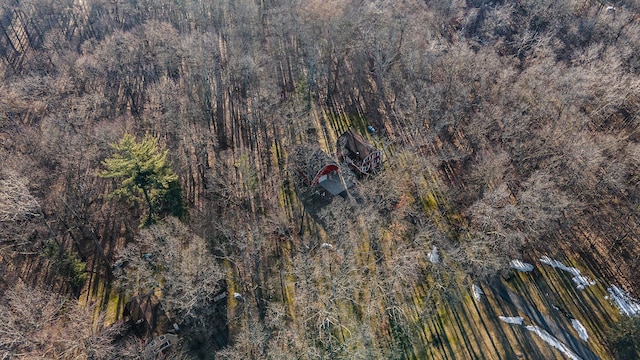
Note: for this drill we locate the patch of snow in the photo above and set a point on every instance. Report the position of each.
(521, 265)
(628, 306)
(580, 280)
(477, 292)
(551, 340)
(517, 320)
(582, 331)
(433, 255)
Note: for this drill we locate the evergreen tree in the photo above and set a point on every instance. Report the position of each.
(146, 175)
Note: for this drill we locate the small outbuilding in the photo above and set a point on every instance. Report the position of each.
(159, 346)
(316, 168)
(356, 152)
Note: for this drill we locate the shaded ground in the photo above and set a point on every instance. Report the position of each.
(542, 320)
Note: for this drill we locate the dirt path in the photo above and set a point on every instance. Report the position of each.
(542, 320)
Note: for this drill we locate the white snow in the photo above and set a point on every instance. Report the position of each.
(551, 340)
(433, 255)
(548, 338)
(582, 331)
(521, 265)
(477, 292)
(517, 320)
(628, 306)
(580, 280)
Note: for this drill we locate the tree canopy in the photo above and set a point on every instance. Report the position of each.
(509, 131)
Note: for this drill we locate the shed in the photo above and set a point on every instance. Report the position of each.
(316, 168)
(159, 345)
(361, 156)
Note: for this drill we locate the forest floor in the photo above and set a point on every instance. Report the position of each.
(463, 327)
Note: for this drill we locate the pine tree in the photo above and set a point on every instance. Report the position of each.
(146, 176)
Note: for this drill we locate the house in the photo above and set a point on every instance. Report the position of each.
(148, 319)
(356, 152)
(147, 315)
(317, 169)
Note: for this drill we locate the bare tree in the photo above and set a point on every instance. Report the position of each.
(502, 222)
(39, 324)
(168, 258)
(19, 210)
(16, 202)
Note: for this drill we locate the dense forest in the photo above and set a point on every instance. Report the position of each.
(145, 159)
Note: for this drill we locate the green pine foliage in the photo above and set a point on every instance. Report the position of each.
(67, 264)
(146, 177)
(624, 338)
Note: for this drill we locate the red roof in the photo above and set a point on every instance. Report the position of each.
(311, 163)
